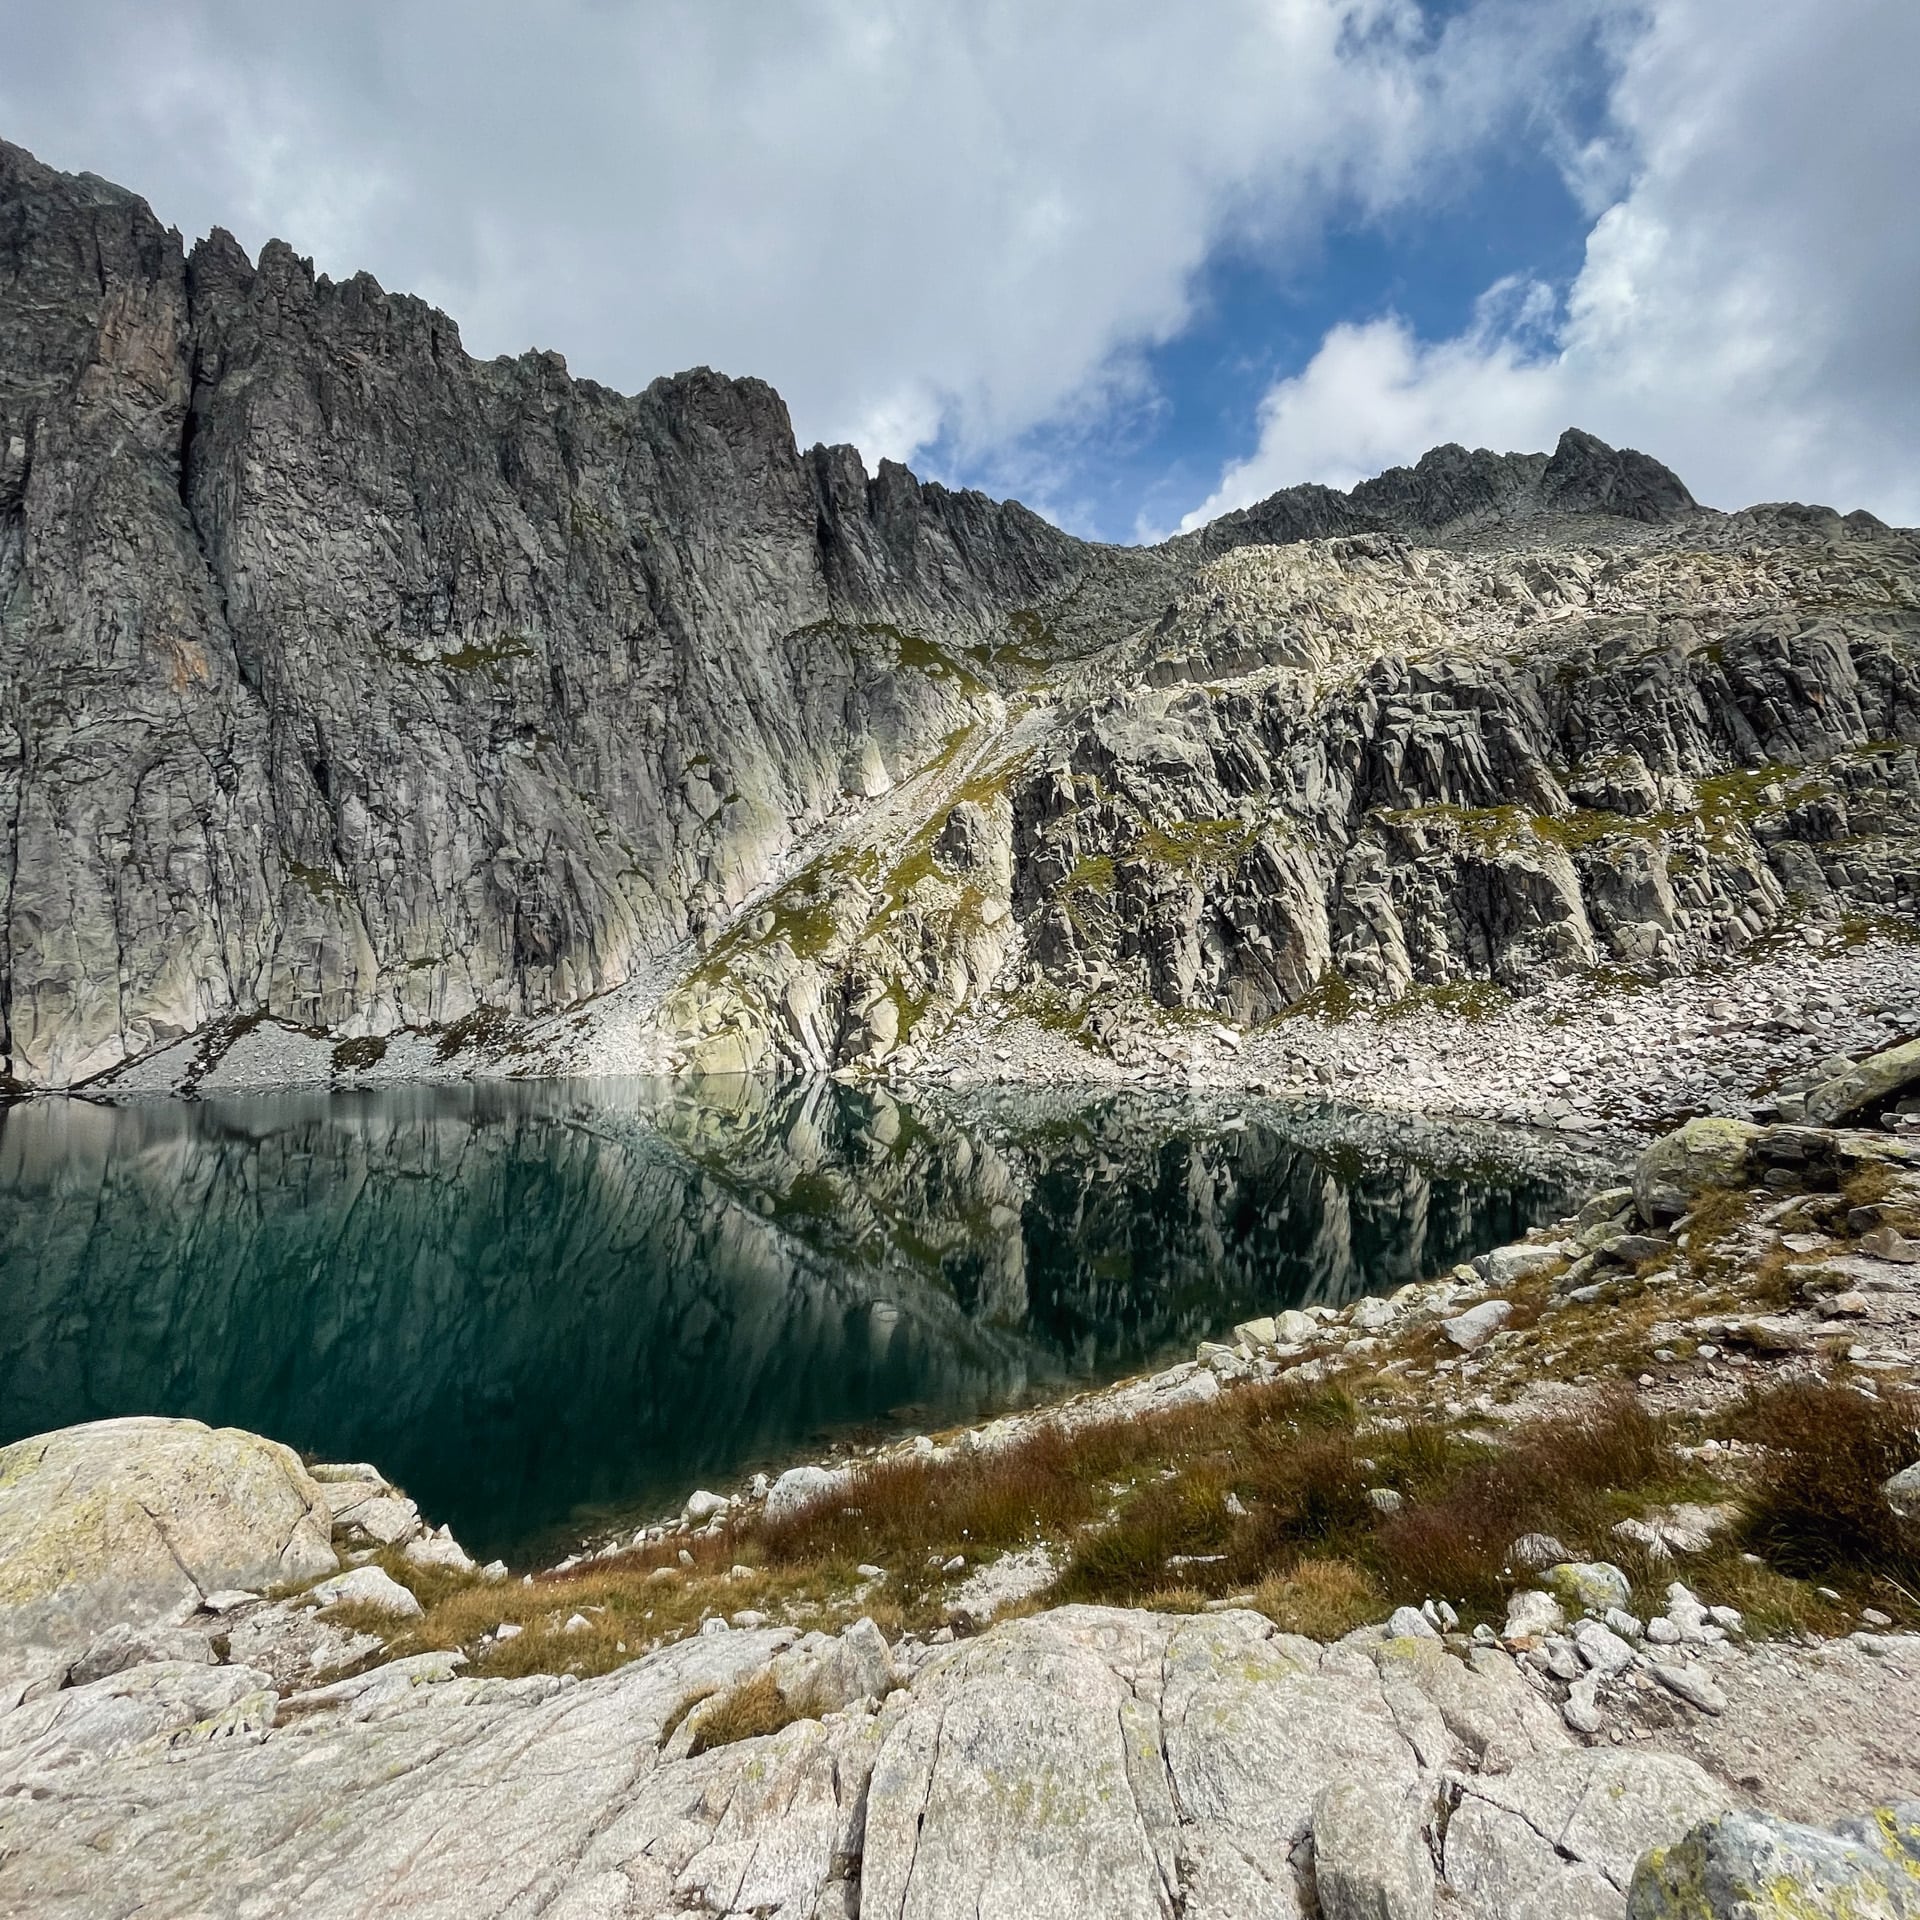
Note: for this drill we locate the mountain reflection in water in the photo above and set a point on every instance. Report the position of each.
(540, 1303)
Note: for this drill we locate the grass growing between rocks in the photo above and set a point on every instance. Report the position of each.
(751, 1710)
(1278, 1497)
(1816, 1510)
(623, 1609)
(1332, 1522)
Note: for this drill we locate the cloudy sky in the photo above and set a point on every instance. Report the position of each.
(1135, 263)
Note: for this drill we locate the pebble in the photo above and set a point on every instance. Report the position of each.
(1692, 1686)
(1582, 1710)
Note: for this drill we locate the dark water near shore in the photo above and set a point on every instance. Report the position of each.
(542, 1305)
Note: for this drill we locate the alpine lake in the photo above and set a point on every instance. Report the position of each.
(547, 1308)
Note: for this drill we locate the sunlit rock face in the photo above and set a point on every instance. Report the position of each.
(352, 683)
(362, 683)
(538, 1299)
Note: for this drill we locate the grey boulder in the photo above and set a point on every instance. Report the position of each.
(370, 1587)
(800, 1488)
(135, 1521)
(1865, 1085)
(1902, 1492)
(1700, 1157)
(1747, 1866)
(1477, 1325)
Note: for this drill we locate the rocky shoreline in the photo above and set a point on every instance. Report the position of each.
(1615, 1060)
(212, 1705)
(1618, 1060)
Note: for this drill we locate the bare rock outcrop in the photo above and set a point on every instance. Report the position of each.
(356, 685)
(134, 1522)
(1088, 1759)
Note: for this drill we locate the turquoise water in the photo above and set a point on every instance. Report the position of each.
(542, 1305)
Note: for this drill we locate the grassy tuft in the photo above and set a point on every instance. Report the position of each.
(1320, 1598)
(1816, 1509)
(1285, 1484)
(749, 1711)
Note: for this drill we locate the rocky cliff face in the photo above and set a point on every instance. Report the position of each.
(356, 684)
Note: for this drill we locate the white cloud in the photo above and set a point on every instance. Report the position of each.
(1748, 309)
(919, 221)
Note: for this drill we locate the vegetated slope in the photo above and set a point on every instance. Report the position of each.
(355, 683)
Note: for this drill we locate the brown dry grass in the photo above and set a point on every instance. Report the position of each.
(1282, 1496)
(626, 1612)
(1869, 1186)
(1320, 1598)
(1816, 1510)
(748, 1712)
(1264, 1491)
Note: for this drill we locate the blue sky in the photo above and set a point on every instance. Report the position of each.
(1134, 264)
(1136, 470)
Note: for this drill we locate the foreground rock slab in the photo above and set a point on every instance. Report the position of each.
(1085, 1761)
(1747, 1867)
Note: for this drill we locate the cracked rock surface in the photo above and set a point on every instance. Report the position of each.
(1087, 1760)
(126, 1523)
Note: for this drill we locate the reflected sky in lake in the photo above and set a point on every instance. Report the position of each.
(542, 1305)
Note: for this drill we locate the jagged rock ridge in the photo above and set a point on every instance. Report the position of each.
(360, 685)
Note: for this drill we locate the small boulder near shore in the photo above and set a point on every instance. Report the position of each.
(135, 1521)
(1700, 1157)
